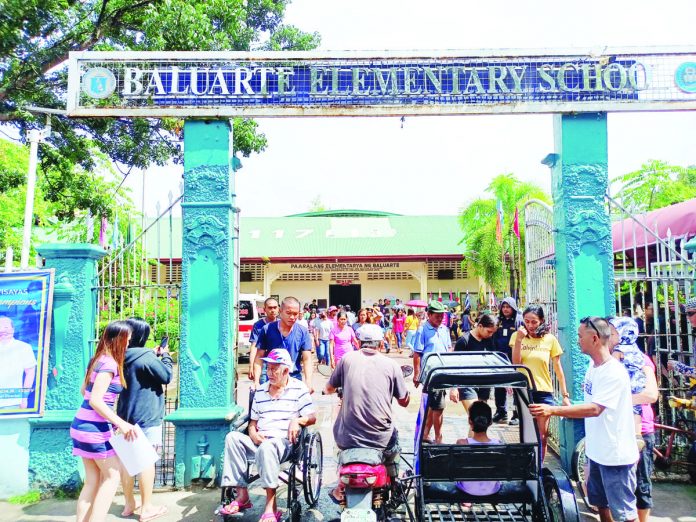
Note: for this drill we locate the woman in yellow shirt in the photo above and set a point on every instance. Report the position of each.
(535, 348)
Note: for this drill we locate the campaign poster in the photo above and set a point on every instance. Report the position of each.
(26, 300)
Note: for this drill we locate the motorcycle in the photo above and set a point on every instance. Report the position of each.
(372, 490)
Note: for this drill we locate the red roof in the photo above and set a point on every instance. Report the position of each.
(679, 219)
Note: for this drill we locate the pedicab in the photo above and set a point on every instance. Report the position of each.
(528, 490)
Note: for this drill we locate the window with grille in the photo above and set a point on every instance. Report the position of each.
(435, 267)
(254, 271)
(343, 276)
(167, 273)
(294, 276)
(388, 276)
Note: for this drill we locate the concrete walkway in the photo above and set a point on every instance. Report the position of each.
(674, 502)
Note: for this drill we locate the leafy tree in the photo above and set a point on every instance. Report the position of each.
(654, 185)
(317, 205)
(37, 35)
(48, 215)
(484, 255)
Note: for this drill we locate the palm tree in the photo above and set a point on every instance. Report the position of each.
(484, 254)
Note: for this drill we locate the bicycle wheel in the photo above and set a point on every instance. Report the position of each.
(580, 471)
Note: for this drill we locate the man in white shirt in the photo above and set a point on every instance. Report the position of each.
(18, 367)
(609, 429)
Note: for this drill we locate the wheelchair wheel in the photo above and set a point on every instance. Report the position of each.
(560, 497)
(312, 467)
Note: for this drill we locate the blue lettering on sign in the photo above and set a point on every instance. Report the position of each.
(378, 83)
(685, 77)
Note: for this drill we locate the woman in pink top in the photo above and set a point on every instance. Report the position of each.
(342, 339)
(92, 427)
(398, 326)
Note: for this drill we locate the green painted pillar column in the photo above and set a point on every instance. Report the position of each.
(51, 463)
(208, 323)
(584, 269)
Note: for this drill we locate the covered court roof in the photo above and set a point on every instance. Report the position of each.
(332, 234)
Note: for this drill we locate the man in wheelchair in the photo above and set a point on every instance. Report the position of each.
(280, 407)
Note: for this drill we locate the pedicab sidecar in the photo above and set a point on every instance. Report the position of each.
(528, 490)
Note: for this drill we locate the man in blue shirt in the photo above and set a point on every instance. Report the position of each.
(288, 335)
(432, 336)
(270, 308)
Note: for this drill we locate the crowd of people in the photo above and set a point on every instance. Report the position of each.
(619, 388)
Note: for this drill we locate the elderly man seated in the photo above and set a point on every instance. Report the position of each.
(279, 408)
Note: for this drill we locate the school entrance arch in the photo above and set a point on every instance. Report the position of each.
(206, 88)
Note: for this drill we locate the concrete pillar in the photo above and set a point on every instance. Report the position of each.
(423, 280)
(208, 322)
(584, 270)
(51, 463)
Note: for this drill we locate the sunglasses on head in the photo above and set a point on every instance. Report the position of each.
(588, 321)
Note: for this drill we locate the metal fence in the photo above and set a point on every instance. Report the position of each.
(653, 277)
(134, 281)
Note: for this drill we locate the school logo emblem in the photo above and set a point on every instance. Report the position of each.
(685, 77)
(99, 83)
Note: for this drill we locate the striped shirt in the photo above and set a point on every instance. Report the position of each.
(90, 432)
(273, 415)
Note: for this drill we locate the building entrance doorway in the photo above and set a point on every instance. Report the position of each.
(345, 295)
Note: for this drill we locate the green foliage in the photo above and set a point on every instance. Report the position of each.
(484, 254)
(36, 37)
(656, 184)
(30, 497)
(58, 200)
(317, 205)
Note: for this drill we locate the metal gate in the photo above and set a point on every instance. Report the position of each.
(653, 277)
(541, 280)
(138, 278)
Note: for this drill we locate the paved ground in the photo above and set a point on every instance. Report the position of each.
(674, 502)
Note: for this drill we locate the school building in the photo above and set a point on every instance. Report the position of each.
(350, 257)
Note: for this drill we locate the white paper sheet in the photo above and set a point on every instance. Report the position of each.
(135, 455)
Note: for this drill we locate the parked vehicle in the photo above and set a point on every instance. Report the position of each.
(250, 310)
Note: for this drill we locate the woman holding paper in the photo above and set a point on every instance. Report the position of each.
(142, 403)
(92, 426)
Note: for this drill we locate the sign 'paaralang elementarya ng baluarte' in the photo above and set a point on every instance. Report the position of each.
(352, 83)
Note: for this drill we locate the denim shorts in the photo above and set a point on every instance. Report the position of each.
(644, 471)
(472, 394)
(613, 487)
(542, 397)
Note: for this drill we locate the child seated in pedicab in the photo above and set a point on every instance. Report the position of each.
(480, 419)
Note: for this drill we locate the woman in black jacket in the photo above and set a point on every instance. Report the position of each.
(142, 403)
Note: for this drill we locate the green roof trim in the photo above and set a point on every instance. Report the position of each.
(304, 237)
(345, 213)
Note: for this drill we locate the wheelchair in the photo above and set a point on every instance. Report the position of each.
(303, 468)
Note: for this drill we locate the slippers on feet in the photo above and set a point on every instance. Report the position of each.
(159, 513)
(269, 517)
(334, 498)
(235, 507)
(129, 512)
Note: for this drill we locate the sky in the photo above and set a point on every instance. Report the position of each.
(436, 165)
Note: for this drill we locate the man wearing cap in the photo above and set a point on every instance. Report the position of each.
(333, 314)
(288, 335)
(279, 408)
(432, 336)
(369, 380)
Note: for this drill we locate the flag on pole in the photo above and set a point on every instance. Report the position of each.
(499, 208)
(498, 229)
(491, 300)
(450, 296)
(516, 224)
(467, 301)
(102, 233)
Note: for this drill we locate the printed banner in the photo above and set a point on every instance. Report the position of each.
(26, 300)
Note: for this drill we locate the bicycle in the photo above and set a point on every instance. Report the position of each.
(675, 446)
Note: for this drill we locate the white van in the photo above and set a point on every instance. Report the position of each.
(250, 310)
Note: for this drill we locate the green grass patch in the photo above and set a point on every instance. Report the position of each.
(31, 497)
